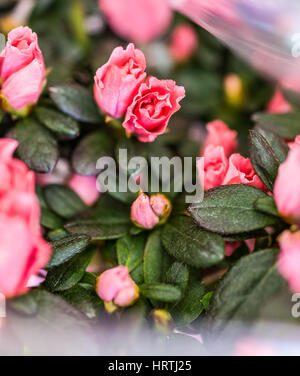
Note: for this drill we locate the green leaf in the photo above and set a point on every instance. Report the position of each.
(183, 239)
(267, 205)
(191, 306)
(98, 230)
(63, 200)
(153, 258)
(50, 220)
(37, 147)
(57, 122)
(67, 275)
(91, 148)
(263, 159)
(292, 97)
(76, 102)
(84, 299)
(178, 275)
(161, 292)
(230, 210)
(277, 144)
(66, 248)
(130, 251)
(286, 125)
(245, 289)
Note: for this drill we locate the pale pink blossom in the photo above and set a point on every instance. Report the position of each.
(117, 82)
(184, 42)
(140, 21)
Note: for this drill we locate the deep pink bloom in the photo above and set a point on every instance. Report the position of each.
(287, 187)
(212, 167)
(85, 187)
(22, 69)
(149, 114)
(289, 259)
(278, 104)
(220, 135)
(23, 251)
(137, 20)
(117, 82)
(184, 42)
(148, 212)
(116, 286)
(240, 171)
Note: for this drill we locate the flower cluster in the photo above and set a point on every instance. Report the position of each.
(219, 162)
(23, 250)
(121, 89)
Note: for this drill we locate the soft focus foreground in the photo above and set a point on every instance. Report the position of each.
(141, 271)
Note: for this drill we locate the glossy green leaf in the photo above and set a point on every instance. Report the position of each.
(37, 147)
(230, 209)
(267, 205)
(76, 102)
(191, 306)
(63, 200)
(66, 248)
(98, 230)
(178, 275)
(67, 275)
(286, 125)
(153, 258)
(130, 251)
(185, 241)
(57, 122)
(245, 289)
(161, 292)
(263, 158)
(91, 148)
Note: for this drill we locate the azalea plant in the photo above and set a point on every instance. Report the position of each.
(167, 89)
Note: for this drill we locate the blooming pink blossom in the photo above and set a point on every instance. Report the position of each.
(220, 135)
(85, 187)
(23, 251)
(137, 20)
(116, 288)
(289, 259)
(22, 70)
(240, 171)
(149, 212)
(117, 82)
(149, 114)
(184, 42)
(287, 187)
(278, 104)
(215, 166)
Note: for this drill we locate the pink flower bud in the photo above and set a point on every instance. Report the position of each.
(220, 135)
(161, 207)
(152, 108)
(148, 213)
(22, 71)
(137, 20)
(212, 167)
(289, 259)
(240, 171)
(86, 188)
(23, 251)
(116, 288)
(287, 187)
(184, 42)
(278, 104)
(117, 82)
